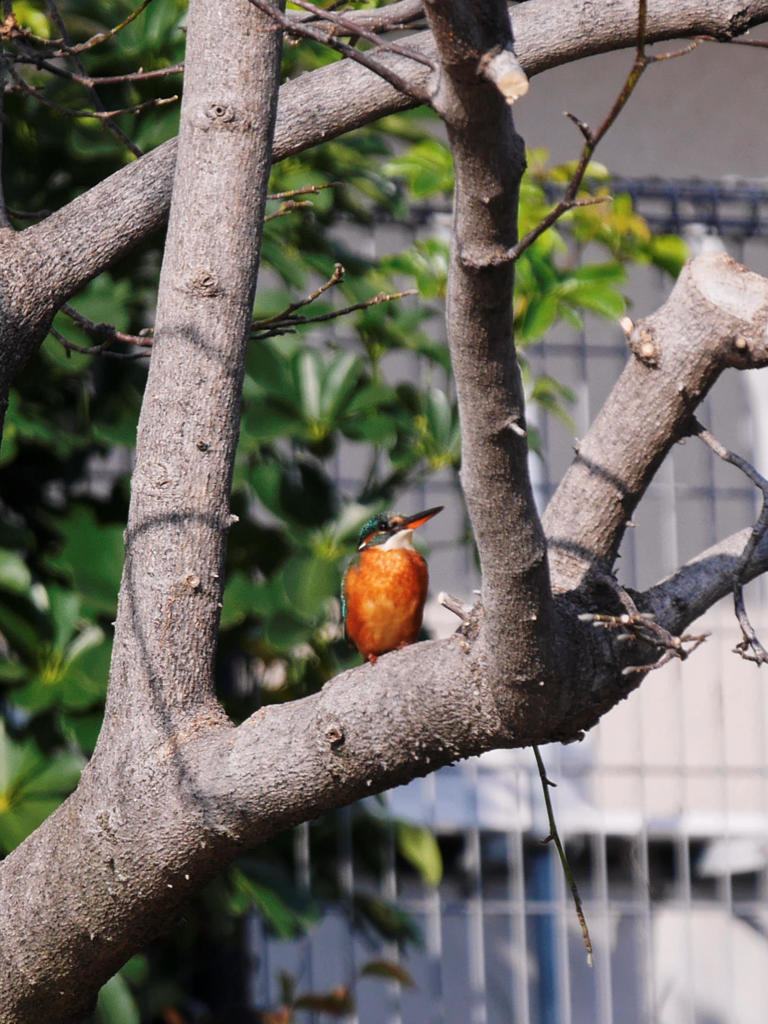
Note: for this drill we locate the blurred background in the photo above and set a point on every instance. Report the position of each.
(437, 902)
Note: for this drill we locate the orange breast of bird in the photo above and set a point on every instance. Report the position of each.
(385, 594)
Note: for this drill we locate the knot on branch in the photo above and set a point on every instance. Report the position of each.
(516, 423)
(223, 116)
(334, 735)
(642, 342)
(203, 282)
(501, 68)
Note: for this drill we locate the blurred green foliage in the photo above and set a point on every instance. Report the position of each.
(318, 398)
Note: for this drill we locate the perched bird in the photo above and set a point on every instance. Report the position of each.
(383, 593)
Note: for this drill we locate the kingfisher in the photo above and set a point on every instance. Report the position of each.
(383, 593)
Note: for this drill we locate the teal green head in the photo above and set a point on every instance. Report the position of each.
(382, 528)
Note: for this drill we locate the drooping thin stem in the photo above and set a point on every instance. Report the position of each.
(554, 837)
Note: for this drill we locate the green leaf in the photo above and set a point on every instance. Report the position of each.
(65, 614)
(613, 273)
(340, 377)
(440, 416)
(309, 371)
(427, 167)
(539, 317)
(598, 298)
(31, 786)
(419, 847)
(116, 1004)
(243, 597)
(309, 581)
(668, 252)
(286, 912)
(14, 574)
(91, 556)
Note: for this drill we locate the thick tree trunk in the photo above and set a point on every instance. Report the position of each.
(119, 855)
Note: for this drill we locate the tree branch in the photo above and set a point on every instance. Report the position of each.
(714, 318)
(104, 224)
(489, 161)
(691, 590)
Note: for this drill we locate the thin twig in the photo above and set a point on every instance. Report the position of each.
(106, 331)
(39, 61)
(569, 200)
(305, 190)
(354, 28)
(400, 15)
(287, 207)
(291, 203)
(734, 42)
(101, 115)
(750, 647)
(290, 323)
(554, 837)
(100, 350)
(108, 125)
(455, 605)
(641, 626)
(101, 37)
(295, 28)
(28, 214)
(591, 140)
(334, 279)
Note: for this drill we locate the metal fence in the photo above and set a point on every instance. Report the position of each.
(665, 804)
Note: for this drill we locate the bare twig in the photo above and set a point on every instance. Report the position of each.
(297, 28)
(750, 647)
(305, 190)
(101, 115)
(334, 279)
(287, 207)
(591, 140)
(100, 350)
(109, 125)
(101, 37)
(39, 61)
(107, 332)
(291, 204)
(569, 201)
(290, 323)
(642, 627)
(734, 42)
(28, 214)
(453, 604)
(554, 837)
(354, 28)
(403, 14)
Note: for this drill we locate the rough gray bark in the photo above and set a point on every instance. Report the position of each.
(489, 160)
(174, 791)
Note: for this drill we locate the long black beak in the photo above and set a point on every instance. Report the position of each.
(412, 522)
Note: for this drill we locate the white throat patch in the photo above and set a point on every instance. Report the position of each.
(401, 539)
